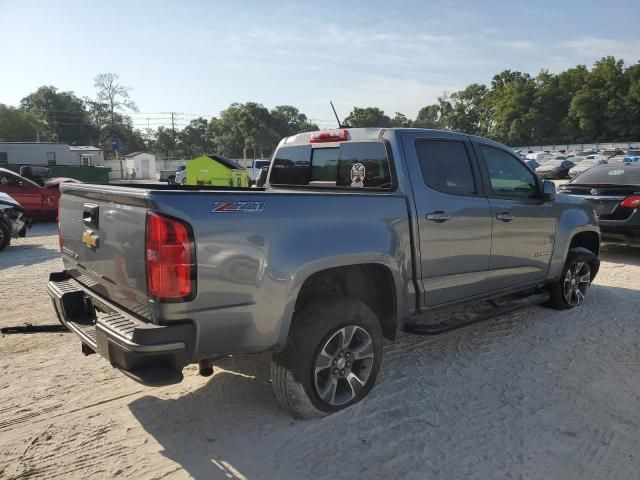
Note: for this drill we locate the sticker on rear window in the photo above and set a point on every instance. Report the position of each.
(616, 172)
(357, 175)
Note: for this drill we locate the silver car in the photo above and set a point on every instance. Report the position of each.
(585, 165)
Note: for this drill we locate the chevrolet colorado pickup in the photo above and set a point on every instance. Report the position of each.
(357, 235)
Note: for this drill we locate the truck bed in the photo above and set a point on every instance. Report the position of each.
(252, 248)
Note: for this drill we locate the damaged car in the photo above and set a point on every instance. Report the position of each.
(13, 223)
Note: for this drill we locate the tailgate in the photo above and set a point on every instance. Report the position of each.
(103, 242)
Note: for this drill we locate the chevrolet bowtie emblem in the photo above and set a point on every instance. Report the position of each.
(90, 239)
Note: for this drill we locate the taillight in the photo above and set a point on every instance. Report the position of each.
(170, 256)
(631, 202)
(329, 136)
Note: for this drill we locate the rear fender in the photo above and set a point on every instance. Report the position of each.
(321, 264)
(572, 221)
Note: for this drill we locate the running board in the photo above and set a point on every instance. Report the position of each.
(448, 325)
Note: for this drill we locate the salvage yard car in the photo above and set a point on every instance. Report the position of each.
(614, 192)
(359, 234)
(13, 222)
(586, 164)
(37, 201)
(555, 169)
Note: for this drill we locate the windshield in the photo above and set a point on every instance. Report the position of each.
(261, 163)
(623, 175)
(351, 164)
(634, 153)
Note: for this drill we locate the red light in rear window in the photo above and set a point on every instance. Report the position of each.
(329, 136)
(170, 258)
(631, 202)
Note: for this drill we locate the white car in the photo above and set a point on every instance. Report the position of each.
(181, 176)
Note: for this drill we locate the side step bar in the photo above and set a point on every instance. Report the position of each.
(454, 323)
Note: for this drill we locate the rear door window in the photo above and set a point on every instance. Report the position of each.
(446, 166)
(349, 165)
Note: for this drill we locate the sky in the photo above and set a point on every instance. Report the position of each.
(197, 57)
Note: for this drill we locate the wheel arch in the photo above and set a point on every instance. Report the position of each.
(374, 283)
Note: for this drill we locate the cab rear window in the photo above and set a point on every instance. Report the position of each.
(350, 165)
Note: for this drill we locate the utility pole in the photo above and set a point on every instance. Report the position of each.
(173, 125)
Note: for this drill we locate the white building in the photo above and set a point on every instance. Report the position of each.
(35, 153)
(86, 155)
(141, 165)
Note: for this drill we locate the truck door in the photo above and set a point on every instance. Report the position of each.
(524, 226)
(453, 216)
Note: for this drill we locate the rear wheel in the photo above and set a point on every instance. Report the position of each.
(5, 235)
(331, 360)
(571, 289)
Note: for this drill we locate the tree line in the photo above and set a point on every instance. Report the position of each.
(578, 105)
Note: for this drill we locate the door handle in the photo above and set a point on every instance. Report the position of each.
(438, 216)
(505, 216)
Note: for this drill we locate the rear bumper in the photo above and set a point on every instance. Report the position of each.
(621, 231)
(150, 354)
(622, 235)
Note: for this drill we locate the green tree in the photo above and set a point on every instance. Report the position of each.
(368, 117)
(599, 106)
(632, 103)
(194, 139)
(428, 117)
(165, 143)
(401, 120)
(247, 125)
(64, 113)
(22, 126)
(288, 120)
(509, 105)
(466, 110)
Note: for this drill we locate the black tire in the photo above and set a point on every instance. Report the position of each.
(171, 180)
(293, 370)
(559, 299)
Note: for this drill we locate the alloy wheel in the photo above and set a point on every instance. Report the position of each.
(576, 283)
(343, 365)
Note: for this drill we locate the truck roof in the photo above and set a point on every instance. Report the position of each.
(373, 133)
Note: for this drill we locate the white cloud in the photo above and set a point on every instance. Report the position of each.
(595, 48)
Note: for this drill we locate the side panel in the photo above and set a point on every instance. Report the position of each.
(251, 264)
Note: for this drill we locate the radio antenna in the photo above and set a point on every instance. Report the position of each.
(340, 124)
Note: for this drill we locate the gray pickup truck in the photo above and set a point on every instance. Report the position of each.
(357, 235)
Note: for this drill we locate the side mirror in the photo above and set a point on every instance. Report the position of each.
(548, 191)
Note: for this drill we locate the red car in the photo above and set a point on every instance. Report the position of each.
(37, 201)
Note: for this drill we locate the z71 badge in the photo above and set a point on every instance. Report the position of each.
(238, 207)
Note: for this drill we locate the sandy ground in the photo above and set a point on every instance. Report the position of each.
(537, 394)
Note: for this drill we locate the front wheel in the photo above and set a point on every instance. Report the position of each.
(331, 360)
(171, 180)
(571, 289)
